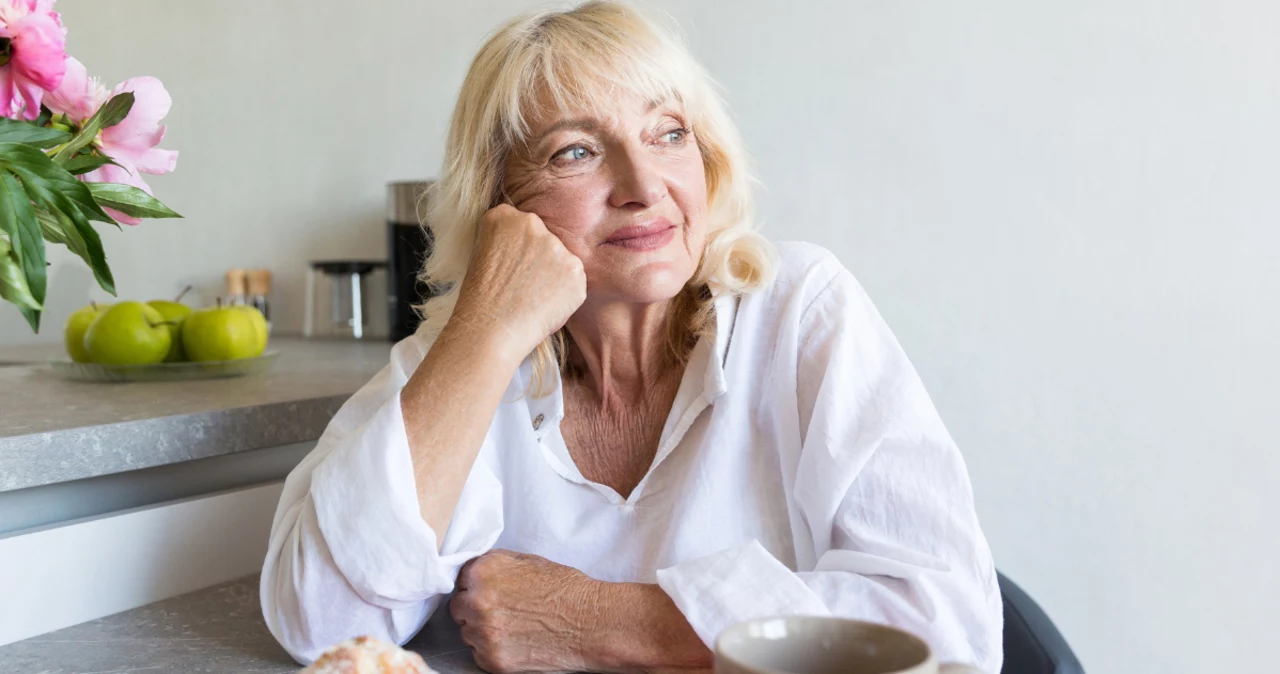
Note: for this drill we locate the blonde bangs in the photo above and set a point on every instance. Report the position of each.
(582, 63)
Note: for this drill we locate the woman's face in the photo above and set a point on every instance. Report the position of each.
(626, 193)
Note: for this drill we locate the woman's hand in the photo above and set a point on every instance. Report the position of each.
(522, 282)
(523, 613)
(522, 285)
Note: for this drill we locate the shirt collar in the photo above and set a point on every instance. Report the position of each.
(714, 382)
(547, 412)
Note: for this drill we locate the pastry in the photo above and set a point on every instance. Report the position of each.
(366, 655)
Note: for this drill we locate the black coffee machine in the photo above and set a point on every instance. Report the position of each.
(408, 245)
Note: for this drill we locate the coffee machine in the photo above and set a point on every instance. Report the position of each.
(409, 243)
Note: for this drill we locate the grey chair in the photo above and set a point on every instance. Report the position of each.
(1032, 645)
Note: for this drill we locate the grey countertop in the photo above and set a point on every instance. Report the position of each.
(219, 629)
(53, 430)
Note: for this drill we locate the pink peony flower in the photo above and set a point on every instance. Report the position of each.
(131, 143)
(32, 55)
(78, 96)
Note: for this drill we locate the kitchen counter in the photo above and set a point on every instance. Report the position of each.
(219, 629)
(117, 495)
(54, 431)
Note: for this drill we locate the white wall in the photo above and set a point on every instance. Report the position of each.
(1068, 211)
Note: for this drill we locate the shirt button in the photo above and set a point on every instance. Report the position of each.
(537, 421)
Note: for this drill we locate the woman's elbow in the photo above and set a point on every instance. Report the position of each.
(288, 606)
(309, 614)
(297, 595)
(284, 617)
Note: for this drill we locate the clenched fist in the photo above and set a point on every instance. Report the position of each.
(524, 613)
(522, 284)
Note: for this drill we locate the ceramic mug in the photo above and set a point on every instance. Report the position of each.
(817, 645)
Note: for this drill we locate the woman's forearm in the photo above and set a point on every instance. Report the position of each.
(639, 629)
(447, 406)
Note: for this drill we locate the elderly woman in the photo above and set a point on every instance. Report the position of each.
(631, 421)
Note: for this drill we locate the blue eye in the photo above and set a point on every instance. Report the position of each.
(572, 154)
(675, 135)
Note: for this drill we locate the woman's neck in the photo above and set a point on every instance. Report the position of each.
(620, 349)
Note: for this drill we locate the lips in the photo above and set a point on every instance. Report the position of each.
(648, 236)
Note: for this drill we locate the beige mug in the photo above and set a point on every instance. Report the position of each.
(818, 645)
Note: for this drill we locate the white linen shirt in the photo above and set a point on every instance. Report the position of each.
(802, 470)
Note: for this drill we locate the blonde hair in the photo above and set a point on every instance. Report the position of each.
(580, 59)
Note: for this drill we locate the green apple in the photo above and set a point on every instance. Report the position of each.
(260, 325)
(129, 333)
(77, 325)
(220, 333)
(175, 313)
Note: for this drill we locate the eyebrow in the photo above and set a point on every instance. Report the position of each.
(582, 124)
(590, 124)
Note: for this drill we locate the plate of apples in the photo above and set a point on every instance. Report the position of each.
(164, 340)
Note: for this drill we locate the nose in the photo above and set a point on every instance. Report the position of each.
(638, 179)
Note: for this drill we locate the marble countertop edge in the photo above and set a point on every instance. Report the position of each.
(53, 457)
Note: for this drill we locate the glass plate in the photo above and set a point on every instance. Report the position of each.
(69, 369)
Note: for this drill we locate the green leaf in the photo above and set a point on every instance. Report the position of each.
(58, 228)
(110, 114)
(59, 193)
(84, 242)
(13, 282)
(42, 177)
(115, 110)
(14, 131)
(85, 163)
(130, 200)
(32, 316)
(17, 218)
(52, 229)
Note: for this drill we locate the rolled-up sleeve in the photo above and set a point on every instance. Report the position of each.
(890, 533)
(350, 553)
